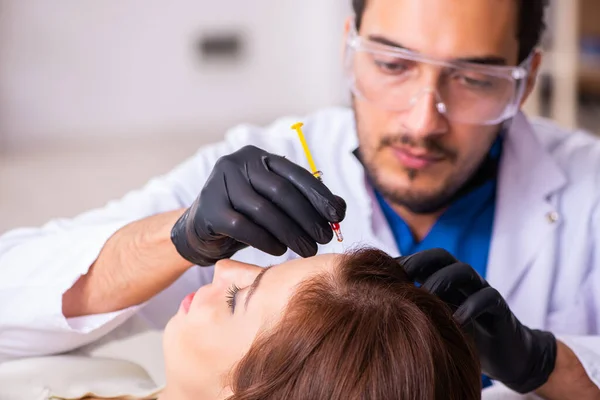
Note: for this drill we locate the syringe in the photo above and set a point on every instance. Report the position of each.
(317, 174)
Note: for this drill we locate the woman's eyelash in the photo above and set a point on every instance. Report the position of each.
(231, 292)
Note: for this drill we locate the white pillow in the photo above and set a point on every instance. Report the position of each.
(74, 377)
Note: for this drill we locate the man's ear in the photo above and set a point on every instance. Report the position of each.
(536, 62)
(347, 27)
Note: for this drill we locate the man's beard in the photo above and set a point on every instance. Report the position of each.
(418, 203)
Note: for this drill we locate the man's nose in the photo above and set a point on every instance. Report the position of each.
(424, 118)
(234, 272)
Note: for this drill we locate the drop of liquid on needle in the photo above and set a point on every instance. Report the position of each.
(337, 231)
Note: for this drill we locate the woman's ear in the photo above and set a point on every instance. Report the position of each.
(536, 62)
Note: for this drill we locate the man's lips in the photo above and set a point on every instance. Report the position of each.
(415, 158)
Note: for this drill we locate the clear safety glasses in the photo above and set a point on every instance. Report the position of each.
(470, 93)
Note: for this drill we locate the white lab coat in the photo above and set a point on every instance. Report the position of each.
(544, 256)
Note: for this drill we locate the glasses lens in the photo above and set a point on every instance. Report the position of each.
(476, 97)
(394, 82)
(387, 80)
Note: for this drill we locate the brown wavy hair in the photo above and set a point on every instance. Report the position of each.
(362, 331)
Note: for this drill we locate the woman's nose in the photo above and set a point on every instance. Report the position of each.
(235, 272)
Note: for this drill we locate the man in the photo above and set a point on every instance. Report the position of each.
(434, 154)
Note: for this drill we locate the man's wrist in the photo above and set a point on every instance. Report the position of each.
(181, 242)
(135, 264)
(158, 235)
(569, 379)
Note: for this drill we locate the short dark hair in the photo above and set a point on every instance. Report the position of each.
(362, 331)
(531, 23)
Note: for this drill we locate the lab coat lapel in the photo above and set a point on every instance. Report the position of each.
(526, 213)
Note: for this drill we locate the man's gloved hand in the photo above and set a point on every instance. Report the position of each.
(511, 353)
(254, 198)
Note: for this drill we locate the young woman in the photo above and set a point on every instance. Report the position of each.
(346, 326)
(333, 327)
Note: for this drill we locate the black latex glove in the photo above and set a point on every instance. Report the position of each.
(511, 353)
(254, 198)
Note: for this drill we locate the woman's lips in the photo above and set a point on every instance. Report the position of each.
(187, 302)
(415, 160)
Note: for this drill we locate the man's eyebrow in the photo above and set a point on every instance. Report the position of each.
(483, 60)
(385, 41)
(255, 284)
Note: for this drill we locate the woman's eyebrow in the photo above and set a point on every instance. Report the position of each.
(255, 284)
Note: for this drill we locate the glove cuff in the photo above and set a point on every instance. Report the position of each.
(542, 366)
(179, 238)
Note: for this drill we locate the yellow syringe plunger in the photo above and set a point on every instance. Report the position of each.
(311, 162)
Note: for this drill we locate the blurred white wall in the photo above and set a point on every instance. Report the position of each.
(99, 96)
(77, 70)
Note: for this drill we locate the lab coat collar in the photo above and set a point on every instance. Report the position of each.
(527, 163)
(526, 210)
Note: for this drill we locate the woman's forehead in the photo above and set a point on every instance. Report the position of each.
(302, 268)
(281, 281)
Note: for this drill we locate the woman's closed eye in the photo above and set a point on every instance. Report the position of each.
(231, 297)
(234, 291)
